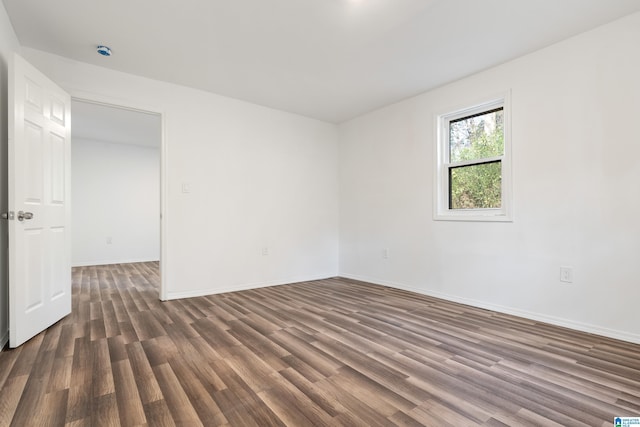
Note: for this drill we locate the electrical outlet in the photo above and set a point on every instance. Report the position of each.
(566, 274)
(385, 253)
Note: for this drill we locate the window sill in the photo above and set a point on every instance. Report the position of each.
(473, 216)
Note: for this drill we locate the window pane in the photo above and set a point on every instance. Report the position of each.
(477, 137)
(476, 186)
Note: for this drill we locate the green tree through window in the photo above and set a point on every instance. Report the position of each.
(475, 174)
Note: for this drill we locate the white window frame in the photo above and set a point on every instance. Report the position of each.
(442, 211)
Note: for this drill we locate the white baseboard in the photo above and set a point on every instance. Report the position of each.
(243, 287)
(539, 317)
(109, 262)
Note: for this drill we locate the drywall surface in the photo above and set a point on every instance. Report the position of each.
(575, 106)
(250, 194)
(115, 204)
(8, 45)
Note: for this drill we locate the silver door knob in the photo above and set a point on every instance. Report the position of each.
(24, 215)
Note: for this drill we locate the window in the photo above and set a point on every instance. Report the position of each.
(474, 170)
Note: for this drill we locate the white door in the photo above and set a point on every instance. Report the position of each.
(39, 187)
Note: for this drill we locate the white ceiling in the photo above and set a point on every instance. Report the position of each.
(105, 123)
(327, 59)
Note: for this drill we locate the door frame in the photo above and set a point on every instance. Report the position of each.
(123, 104)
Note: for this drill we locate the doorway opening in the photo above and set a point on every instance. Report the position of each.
(116, 186)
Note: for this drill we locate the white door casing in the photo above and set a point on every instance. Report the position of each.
(39, 183)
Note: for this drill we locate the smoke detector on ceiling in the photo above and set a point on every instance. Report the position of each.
(104, 50)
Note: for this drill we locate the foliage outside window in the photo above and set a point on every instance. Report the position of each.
(473, 181)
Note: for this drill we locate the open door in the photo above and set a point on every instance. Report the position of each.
(39, 208)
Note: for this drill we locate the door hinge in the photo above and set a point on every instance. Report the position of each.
(7, 215)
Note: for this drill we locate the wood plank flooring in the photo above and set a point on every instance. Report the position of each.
(325, 353)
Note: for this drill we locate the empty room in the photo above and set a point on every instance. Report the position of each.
(319, 213)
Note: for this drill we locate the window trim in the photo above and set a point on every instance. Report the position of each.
(442, 211)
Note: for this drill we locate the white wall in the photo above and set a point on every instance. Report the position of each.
(575, 108)
(116, 195)
(258, 177)
(8, 45)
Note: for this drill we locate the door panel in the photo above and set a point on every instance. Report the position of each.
(39, 184)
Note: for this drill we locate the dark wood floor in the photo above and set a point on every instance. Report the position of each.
(325, 353)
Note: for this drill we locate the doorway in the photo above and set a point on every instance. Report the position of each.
(116, 181)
